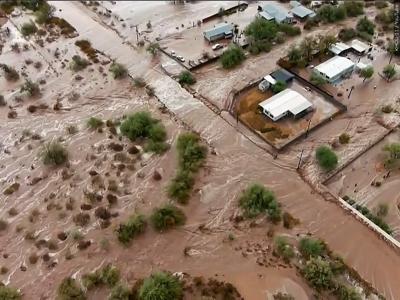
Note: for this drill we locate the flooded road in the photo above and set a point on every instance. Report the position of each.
(237, 163)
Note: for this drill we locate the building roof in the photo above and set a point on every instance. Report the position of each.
(266, 15)
(359, 46)
(278, 12)
(334, 66)
(218, 29)
(302, 11)
(287, 100)
(270, 79)
(282, 75)
(339, 48)
(294, 3)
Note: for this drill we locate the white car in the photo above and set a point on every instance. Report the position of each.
(180, 57)
(216, 47)
(173, 54)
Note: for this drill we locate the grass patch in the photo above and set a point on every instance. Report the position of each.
(54, 153)
(135, 226)
(167, 217)
(161, 285)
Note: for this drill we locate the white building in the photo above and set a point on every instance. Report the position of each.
(360, 47)
(339, 48)
(287, 102)
(335, 68)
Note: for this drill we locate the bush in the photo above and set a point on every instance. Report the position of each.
(180, 187)
(346, 293)
(31, 88)
(318, 273)
(137, 125)
(54, 153)
(139, 82)
(161, 286)
(70, 290)
(389, 71)
(382, 210)
(185, 77)
(327, 159)
(108, 275)
(279, 86)
(120, 292)
(311, 248)
(156, 147)
(153, 48)
(330, 14)
(344, 138)
(283, 248)
(365, 25)
(9, 73)
(260, 29)
(94, 123)
(317, 79)
(191, 153)
(28, 28)
(289, 29)
(9, 293)
(347, 34)
(135, 226)
(353, 8)
(78, 63)
(118, 71)
(232, 57)
(255, 47)
(44, 13)
(367, 72)
(167, 217)
(256, 200)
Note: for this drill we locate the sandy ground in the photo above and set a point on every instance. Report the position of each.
(238, 162)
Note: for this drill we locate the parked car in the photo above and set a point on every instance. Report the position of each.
(173, 54)
(180, 57)
(216, 47)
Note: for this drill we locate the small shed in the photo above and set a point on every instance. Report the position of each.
(220, 31)
(282, 75)
(301, 12)
(339, 48)
(359, 47)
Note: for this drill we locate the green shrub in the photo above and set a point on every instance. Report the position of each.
(317, 79)
(180, 187)
(118, 71)
(318, 273)
(9, 73)
(392, 155)
(153, 48)
(327, 159)
(139, 82)
(161, 286)
(156, 147)
(135, 226)
(330, 14)
(167, 217)
(353, 8)
(137, 125)
(232, 57)
(94, 123)
(367, 72)
(283, 248)
(256, 200)
(31, 88)
(382, 210)
(108, 275)
(347, 34)
(279, 86)
(389, 71)
(260, 29)
(185, 77)
(346, 293)
(92, 280)
(311, 247)
(9, 293)
(54, 153)
(344, 138)
(256, 47)
(70, 290)
(78, 63)
(289, 29)
(365, 25)
(28, 28)
(191, 153)
(120, 292)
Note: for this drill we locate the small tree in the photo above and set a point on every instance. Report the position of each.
(153, 48)
(311, 248)
(389, 71)
(167, 217)
(279, 86)
(54, 153)
(318, 273)
(317, 79)
(28, 28)
(232, 57)
(70, 290)
(118, 71)
(185, 77)
(367, 73)
(161, 286)
(327, 159)
(9, 293)
(365, 25)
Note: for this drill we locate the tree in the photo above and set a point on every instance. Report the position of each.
(167, 217)
(260, 29)
(330, 14)
(232, 57)
(353, 8)
(295, 57)
(311, 247)
(307, 47)
(318, 273)
(347, 34)
(279, 86)
(153, 48)
(70, 290)
(161, 286)
(365, 25)
(367, 72)
(9, 293)
(325, 42)
(327, 159)
(393, 155)
(389, 71)
(317, 79)
(185, 77)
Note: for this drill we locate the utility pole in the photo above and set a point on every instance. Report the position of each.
(352, 87)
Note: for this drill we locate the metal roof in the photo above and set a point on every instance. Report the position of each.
(282, 75)
(278, 12)
(218, 29)
(266, 15)
(334, 66)
(302, 11)
(339, 48)
(359, 46)
(286, 101)
(294, 3)
(270, 79)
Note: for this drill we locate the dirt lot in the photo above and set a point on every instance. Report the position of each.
(358, 182)
(283, 131)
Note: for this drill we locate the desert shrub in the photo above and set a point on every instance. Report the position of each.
(120, 292)
(161, 286)
(327, 159)
(118, 70)
(54, 153)
(180, 186)
(279, 86)
(389, 71)
(261, 30)
(317, 79)
(185, 77)
(344, 292)
(256, 200)
(256, 47)
(139, 82)
(232, 57)
(309, 247)
(283, 248)
(365, 25)
(289, 221)
(153, 48)
(86, 47)
(289, 29)
(347, 34)
(382, 210)
(283, 296)
(318, 273)
(78, 63)
(9, 73)
(44, 13)
(94, 123)
(387, 109)
(92, 280)
(135, 226)
(30, 87)
(167, 217)
(191, 153)
(28, 28)
(9, 293)
(108, 275)
(344, 138)
(72, 129)
(70, 290)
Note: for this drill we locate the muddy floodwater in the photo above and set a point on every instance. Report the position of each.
(43, 206)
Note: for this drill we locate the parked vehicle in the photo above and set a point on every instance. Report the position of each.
(216, 47)
(180, 57)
